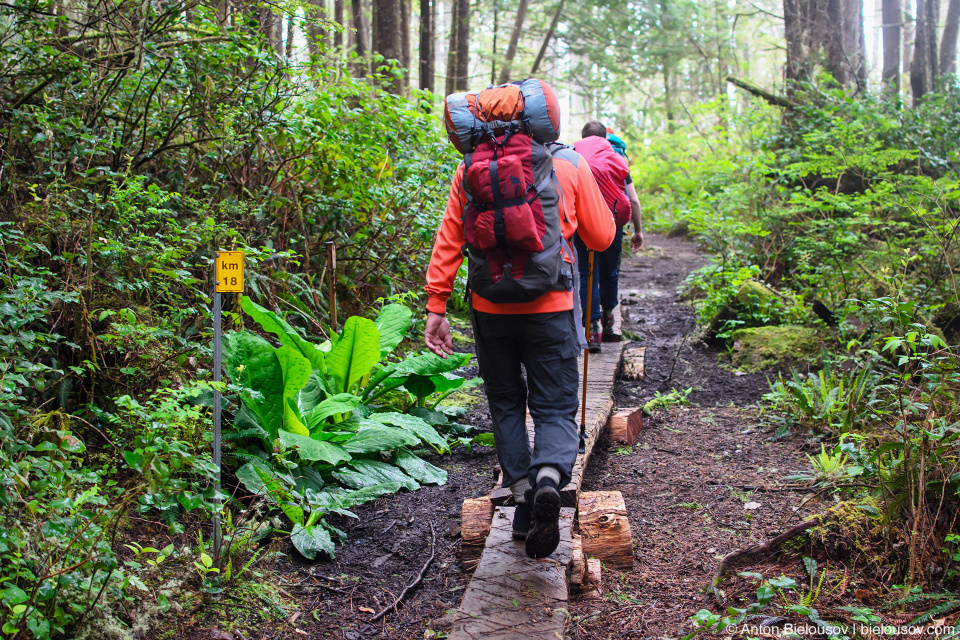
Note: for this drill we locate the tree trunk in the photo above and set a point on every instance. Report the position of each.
(405, 42)
(891, 47)
(932, 21)
(426, 45)
(338, 18)
(361, 68)
(374, 32)
(289, 42)
(388, 23)
(451, 79)
(546, 38)
(948, 46)
(314, 35)
(496, 32)
(463, 45)
(668, 95)
(854, 43)
(794, 69)
(514, 41)
(918, 71)
(833, 41)
(908, 37)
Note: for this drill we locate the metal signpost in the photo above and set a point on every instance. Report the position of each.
(228, 276)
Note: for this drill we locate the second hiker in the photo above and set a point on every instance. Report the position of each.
(613, 177)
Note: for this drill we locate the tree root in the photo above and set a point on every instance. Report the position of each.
(762, 549)
(413, 585)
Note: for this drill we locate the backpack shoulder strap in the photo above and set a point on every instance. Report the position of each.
(564, 152)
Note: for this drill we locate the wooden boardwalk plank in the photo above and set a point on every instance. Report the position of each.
(602, 369)
(512, 596)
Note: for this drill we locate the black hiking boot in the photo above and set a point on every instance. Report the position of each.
(593, 342)
(608, 335)
(521, 521)
(544, 535)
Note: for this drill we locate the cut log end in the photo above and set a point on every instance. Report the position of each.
(625, 426)
(604, 528)
(633, 367)
(475, 521)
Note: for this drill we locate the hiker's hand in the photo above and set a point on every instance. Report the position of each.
(437, 335)
(636, 242)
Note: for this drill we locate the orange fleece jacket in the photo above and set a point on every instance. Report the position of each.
(585, 210)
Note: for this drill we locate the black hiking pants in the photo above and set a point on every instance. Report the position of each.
(547, 346)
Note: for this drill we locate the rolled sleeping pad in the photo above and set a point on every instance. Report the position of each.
(531, 101)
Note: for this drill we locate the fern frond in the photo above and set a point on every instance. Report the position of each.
(917, 597)
(243, 456)
(946, 607)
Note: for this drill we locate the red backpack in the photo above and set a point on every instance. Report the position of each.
(610, 171)
(512, 236)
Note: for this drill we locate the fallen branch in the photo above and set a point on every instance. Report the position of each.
(674, 365)
(413, 585)
(762, 549)
(749, 87)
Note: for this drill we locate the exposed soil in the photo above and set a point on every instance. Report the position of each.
(703, 480)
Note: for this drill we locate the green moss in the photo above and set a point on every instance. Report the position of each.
(464, 398)
(758, 348)
(460, 339)
(756, 294)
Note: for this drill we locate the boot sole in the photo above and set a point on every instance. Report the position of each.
(544, 535)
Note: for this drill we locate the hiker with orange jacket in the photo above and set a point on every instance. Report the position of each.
(515, 203)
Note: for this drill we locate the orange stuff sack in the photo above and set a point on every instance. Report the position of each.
(531, 102)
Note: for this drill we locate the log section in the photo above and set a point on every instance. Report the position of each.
(625, 426)
(604, 528)
(475, 522)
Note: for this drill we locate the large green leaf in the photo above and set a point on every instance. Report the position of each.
(369, 473)
(384, 375)
(354, 353)
(430, 364)
(422, 386)
(296, 374)
(393, 323)
(374, 439)
(311, 395)
(311, 540)
(414, 425)
(261, 481)
(340, 403)
(314, 450)
(419, 469)
(281, 328)
(253, 365)
(240, 349)
(247, 424)
(340, 499)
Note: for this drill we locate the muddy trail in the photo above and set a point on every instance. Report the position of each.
(704, 479)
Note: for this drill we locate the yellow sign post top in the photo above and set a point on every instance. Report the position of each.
(229, 272)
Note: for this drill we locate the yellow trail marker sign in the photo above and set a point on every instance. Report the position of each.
(229, 271)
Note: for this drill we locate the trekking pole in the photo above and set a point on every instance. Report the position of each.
(586, 355)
